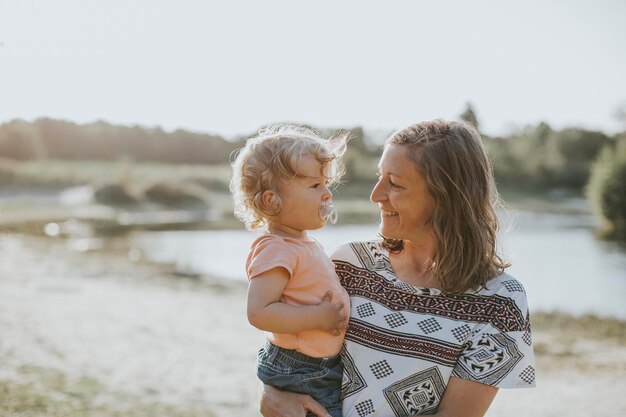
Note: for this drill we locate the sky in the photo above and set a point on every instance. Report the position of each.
(231, 67)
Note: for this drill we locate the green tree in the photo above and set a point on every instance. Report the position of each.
(620, 114)
(19, 140)
(570, 153)
(528, 150)
(469, 115)
(607, 188)
(60, 139)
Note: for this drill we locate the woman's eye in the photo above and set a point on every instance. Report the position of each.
(391, 183)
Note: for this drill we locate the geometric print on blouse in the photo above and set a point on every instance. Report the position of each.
(402, 344)
(460, 333)
(528, 375)
(488, 359)
(371, 256)
(401, 285)
(513, 286)
(353, 381)
(429, 326)
(365, 408)
(408, 341)
(365, 310)
(500, 312)
(381, 369)
(395, 320)
(416, 395)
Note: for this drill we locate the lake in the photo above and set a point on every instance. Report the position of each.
(555, 256)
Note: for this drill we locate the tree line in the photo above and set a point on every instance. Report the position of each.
(57, 139)
(538, 157)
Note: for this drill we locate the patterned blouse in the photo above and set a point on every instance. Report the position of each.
(404, 343)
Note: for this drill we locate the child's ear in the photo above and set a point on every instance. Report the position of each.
(271, 201)
(267, 198)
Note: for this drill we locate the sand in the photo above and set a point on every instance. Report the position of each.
(98, 334)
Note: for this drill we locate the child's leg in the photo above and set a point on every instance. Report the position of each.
(293, 371)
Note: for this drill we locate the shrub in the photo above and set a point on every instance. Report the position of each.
(7, 172)
(173, 195)
(607, 189)
(213, 184)
(114, 194)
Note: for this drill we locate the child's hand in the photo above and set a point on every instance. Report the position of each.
(330, 317)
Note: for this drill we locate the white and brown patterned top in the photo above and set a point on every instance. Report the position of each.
(404, 343)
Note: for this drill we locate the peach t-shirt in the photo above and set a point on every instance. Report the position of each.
(312, 274)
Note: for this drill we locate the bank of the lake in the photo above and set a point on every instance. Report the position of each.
(98, 334)
(556, 257)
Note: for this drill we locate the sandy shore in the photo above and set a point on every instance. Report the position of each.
(96, 334)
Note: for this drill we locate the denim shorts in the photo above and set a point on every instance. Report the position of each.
(293, 371)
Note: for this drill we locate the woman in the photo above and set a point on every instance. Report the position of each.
(436, 326)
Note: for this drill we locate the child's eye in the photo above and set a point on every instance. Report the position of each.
(317, 185)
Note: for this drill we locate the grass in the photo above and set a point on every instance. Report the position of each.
(46, 392)
(58, 173)
(566, 326)
(587, 343)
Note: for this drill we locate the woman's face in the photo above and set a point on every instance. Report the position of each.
(402, 195)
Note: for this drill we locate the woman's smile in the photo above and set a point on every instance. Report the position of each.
(388, 213)
(402, 196)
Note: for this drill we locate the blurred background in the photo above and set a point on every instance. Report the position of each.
(121, 264)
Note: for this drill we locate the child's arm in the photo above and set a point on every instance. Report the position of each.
(267, 312)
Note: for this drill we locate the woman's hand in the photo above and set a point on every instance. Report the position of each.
(277, 403)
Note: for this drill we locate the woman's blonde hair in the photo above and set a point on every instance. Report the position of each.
(273, 155)
(451, 158)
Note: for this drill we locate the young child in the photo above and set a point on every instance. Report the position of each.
(280, 186)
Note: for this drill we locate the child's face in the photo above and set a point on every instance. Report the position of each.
(302, 198)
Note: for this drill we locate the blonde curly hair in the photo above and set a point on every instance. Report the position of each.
(273, 155)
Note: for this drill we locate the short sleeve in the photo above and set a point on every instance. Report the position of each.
(499, 351)
(341, 253)
(270, 252)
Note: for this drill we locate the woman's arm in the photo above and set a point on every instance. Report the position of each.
(277, 403)
(267, 312)
(466, 399)
(461, 399)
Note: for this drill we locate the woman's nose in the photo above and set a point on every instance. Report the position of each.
(377, 195)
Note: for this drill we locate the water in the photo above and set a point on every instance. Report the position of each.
(556, 257)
